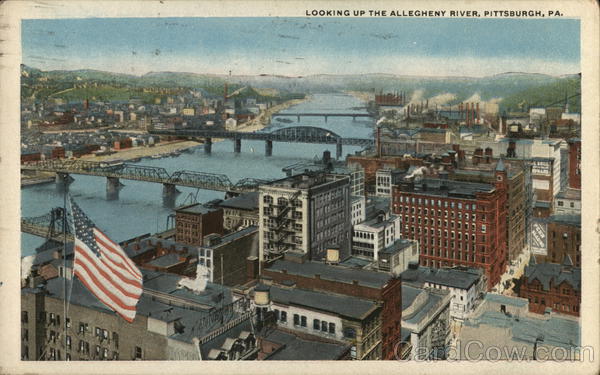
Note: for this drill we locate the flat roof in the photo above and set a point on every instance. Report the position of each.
(296, 348)
(462, 278)
(331, 272)
(347, 306)
(244, 201)
(196, 208)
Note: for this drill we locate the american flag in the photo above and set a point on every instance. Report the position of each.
(103, 267)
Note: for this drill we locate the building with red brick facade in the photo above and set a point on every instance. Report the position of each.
(555, 286)
(456, 223)
(575, 163)
(563, 238)
(368, 285)
(193, 222)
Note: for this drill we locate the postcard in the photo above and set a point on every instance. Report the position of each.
(187, 184)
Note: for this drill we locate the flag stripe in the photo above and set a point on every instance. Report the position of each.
(127, 314)
(104, 268)
(100, 276)
(100, 291)
(123, 274)
(114, 249)
(105, 273)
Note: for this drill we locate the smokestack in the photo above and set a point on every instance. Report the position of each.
(378, 142)
(478, 112)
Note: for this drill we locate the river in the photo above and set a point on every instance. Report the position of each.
(140, 208)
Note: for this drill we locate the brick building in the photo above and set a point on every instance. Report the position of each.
(456, 223)
(555, 286)
(519, 195)
(563, 237)
(362, 284)
(194, 221)
(575, 163)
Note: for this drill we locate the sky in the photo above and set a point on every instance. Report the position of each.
(304, 46)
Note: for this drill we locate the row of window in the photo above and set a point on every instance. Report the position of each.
(445, 213)
(438, 203)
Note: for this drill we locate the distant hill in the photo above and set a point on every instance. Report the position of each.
(508, 89)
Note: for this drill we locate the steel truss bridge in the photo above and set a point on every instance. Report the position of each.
(298, 115)
(296, 134)
(49, 226)
(115, 172)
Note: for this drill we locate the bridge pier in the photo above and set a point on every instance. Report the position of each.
(63, 178)
(113, 186)
(326, 118)
(207, 145)
(170, 189)
(268, 148)
(237, 145)
(338, 149)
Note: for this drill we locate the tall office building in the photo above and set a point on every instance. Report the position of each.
(305, 213)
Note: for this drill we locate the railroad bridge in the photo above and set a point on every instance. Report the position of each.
(117, 171)
(295, 134)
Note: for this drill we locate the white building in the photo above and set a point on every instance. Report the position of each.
(306, 213)
(358, 211)
(372, 236)
(465, 285)
(568, 202)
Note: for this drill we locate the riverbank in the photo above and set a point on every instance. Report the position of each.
(264, 118)
(143, 151)
(361, 95)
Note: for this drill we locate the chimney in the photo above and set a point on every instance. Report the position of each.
(378, 142)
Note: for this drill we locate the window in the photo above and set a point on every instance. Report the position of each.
(296, 319)
(332, 328)
(97, 351)
(68, 322)
(284, 316)
(561, 203)
(137, 353)
(24, 318)
(324, 326)
(69, 342)
(316, 324)
(303, 321)
(115, 337)
(483, 228)
(98, 332)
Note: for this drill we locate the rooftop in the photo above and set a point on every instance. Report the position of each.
(296, 348)
(566, 219)
(167, 260)
(547, 273)
(555, 331)
(423, 306)
(397, 246)
(462, 278)
(350, 307)
(448, 188)
(330, 272)
(244, 201)
(224, 240)
(569, 193)
(305, 181)
(195, 208)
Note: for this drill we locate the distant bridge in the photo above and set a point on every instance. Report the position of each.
(115, 172)
(296, 134)
(326, 115)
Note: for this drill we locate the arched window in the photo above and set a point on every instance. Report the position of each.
(268, 199)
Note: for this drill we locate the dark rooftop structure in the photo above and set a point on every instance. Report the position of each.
(244, 201)
(296, 348)
(547, 273)
(461, 278)
(195, 208)
(331, 272)
(350, 307)
(447, 188)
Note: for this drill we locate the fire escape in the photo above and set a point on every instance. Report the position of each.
(282, 227)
